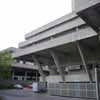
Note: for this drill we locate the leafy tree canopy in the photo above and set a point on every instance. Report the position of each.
(5, 64)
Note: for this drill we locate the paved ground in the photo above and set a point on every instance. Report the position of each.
(29, 95)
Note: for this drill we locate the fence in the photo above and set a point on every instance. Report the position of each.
(73, 89)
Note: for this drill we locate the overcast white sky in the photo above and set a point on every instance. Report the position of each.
(18, 17)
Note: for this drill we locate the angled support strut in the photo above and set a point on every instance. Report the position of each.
(83, 60)
(57, 63)
(39, 67)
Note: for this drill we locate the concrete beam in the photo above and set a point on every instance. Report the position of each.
(39, 67)
(57, 63)
(57, 41)
(83, 60)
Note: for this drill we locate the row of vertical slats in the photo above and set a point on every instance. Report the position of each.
(86, 90)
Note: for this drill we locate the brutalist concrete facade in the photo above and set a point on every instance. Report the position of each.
(68, 47)
(21, 70)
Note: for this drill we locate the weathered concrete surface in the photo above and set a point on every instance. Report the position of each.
(29, 95)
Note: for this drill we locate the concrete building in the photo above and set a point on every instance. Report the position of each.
(69, 47)
(23, 71)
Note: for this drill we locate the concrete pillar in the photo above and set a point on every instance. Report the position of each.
(83, 60)
(57, 63)
(97, 79)
(13, 74)
(25, 78)
(39, 67)
(36, 76)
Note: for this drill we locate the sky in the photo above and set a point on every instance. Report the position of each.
(19, 17)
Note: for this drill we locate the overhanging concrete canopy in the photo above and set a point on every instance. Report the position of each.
(68, 38)
(90, 47)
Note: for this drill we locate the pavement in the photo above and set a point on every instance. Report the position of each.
(27, 94)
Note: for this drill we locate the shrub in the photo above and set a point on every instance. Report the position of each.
(6, 86)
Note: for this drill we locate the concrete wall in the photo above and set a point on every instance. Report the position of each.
(75, 77)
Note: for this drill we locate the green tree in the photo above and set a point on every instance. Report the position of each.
(5, 64)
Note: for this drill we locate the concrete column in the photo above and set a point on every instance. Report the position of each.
(39, 67)
(83, 60)
(25, 78)
(57, 63)
(13, 74)
(97, 79)
(36, 76)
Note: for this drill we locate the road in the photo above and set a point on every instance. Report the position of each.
(29, 95)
